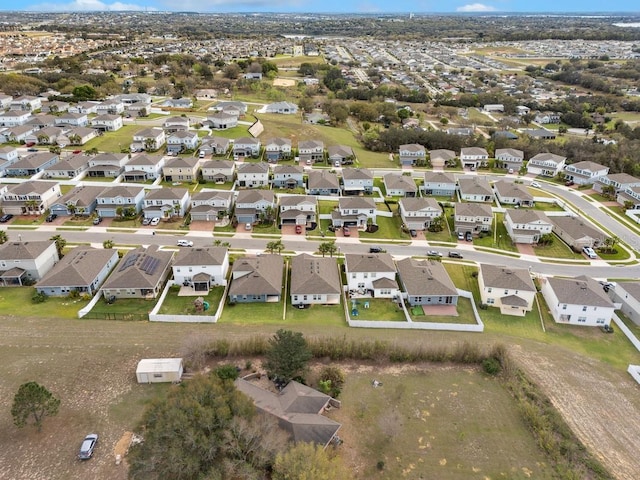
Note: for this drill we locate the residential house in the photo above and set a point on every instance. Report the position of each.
(214, 146)
(460, 131)
(493, 107)
(14, 118)
(134, 98)
(107, 122)
(81, 200)
(441, 158)
(546, 164)
(45, 136)
(373, 273)
(323, 182)
(472, 217)
(474, 157)
(125, 197)
(439, 184)
(87, 108)
(218, 171)
(26, 103)
(576, 232)
(510, 193)
(475, 189)
(142, 167)
(311, 151)
(251, 205)
(286, 108)
(32, 197)
(315, 280)
(5, 101)
(141, 273)
(577, 301)
(510, 289)
(354, 211)
(148, 139)
(509, 159)
(107, 165)
(397, 185)
(288, 176)
(77, 136)
(317, 118)
(9, 154)
(252, 175)
(426, 282)
(628, 295)
(231, 107)
(70, 167)
(201, 268)
(357, 181)
(221, 121)
(540, 133)
(22, 263)
(614, 183)
(277, 149)
(176, 124)
(298, 210)
(72, 119)
(17, 134)
(182, 140)
(112, 106)
(211, 205)
(31, 164)
(246, 147)
(184, 102)
(181, 169)
(42, 120)
(418, 213)
(297, 408)
(342, 154)
(629, 194)
(526, 226)
(412, 154)
(257, 279)
(166, 202)
(585, 173)
(82, 270)
(546, 118)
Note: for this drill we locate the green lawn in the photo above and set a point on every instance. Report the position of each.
(502, 239)
(253, 314)
(175, 305)
(28, 220)
(326, 206)
(327, 315)
(548, 207)
(436, 426)
(136, 306)
(558, 249)
(378, 309)
(388, 228)
(465, 314)
(115, 141)
(78, 222)
(17, 301)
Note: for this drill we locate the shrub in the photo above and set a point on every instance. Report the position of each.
(39, 297)
(491, 366)
(332, 379)
(227, 372)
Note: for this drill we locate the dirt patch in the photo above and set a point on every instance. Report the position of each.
(122, 447)
(284, 82)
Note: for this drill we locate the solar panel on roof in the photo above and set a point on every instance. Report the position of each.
(153, 265)
(130, 260)
(145, 263)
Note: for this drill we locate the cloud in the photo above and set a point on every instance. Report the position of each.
(476, 7)
(87, 6)
(231, 5)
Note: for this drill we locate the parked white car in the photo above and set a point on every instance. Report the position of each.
(185, 243)
(154, 221)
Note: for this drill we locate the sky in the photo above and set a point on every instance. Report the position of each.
(326, 6)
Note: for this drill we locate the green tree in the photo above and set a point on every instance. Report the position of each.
(33, 401)
(287, 356)
(3, 237)
(328, 247)
(107, 244)
(60, 243)
(306, 461)
(275, 246)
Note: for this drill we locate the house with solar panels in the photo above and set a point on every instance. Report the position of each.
(141, 273)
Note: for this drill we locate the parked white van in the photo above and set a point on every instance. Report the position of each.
(589, 252)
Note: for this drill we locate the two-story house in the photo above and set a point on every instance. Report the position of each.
(341, 155)
(323, 182)
(176, 124)
(253, 175)
(14, 118)
(148, 139)
(311, 151)
(116, 201)
(298, 210)
(181, 169)
(251, 205)
(246, 147)
(221, 121)
(373, 274)
(412, 154)
(285, 108)
(440, 184)
(546, 164)
(585, 173)
(30, 198)
(526, 226)
(201, 268)
(107, 165)
(472, 217)
(474, 157)
(218, 171)
(23, 263)
(577, 232)
(166, 202)
(277, 148)
(211, 205)
(510, 193)
(475, 189)
(631, 195)
(510, 159)
(81, 200)
(354, 211)
(315, 280)
(182, 140)
(107, 122)
(397, 185)
(72, 119)
(510, 289)
(257, 279)
(142, 167)
(113, 106)
(426, 282)
(614, 183)
(356, 181)
(288, 176)
(577, 301)
(418, 213)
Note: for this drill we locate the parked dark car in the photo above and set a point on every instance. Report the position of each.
(375, 250)
(453, 254)
(346, 232)
(569, 183)
(468, 237)
(5, 218)
(88, 446)
(413, 233)
(51, 217)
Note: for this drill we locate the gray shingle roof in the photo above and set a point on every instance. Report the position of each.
(576, 227)
(23, 250)
(257, 275)
(497, 276)
(77, 268)
(200, 256)
(425, 278)
(132, 276)
(580, 291)
(372, 262)
(314, 275)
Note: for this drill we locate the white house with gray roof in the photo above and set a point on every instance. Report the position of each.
(616, 183)
(315, 280)
(426, 282)
(253, 175)
(509, 158)
(252, 204)
(82, 270)
(354, 211)
(121, 196)
(510, 193)
(373, 273)
(418, 213)
(510, 289)
(441, 157)
(397, 185)
(201, 267)
(475, 189)
(546, 164)
(277, 148)
(474, 157)
(628, 295)
(81, 200)
(311, 151)
(441, 184)
(526, 226)
(576, 232)
(323, 182)
(142, 167)
(26, 262)
(577, 301)
(31, 164)
(472, 217)
(288, 176)
(166, 202)
(298, 210)
(411, 154)
(585, 173)
(356, 181)
(69, 167)
(32, 197)
(211, 205)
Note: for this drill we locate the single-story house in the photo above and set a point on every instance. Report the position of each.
(315, 280)
(257, 279)
(426, 282)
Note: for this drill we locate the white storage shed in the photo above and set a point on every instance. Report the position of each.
(157, 370)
